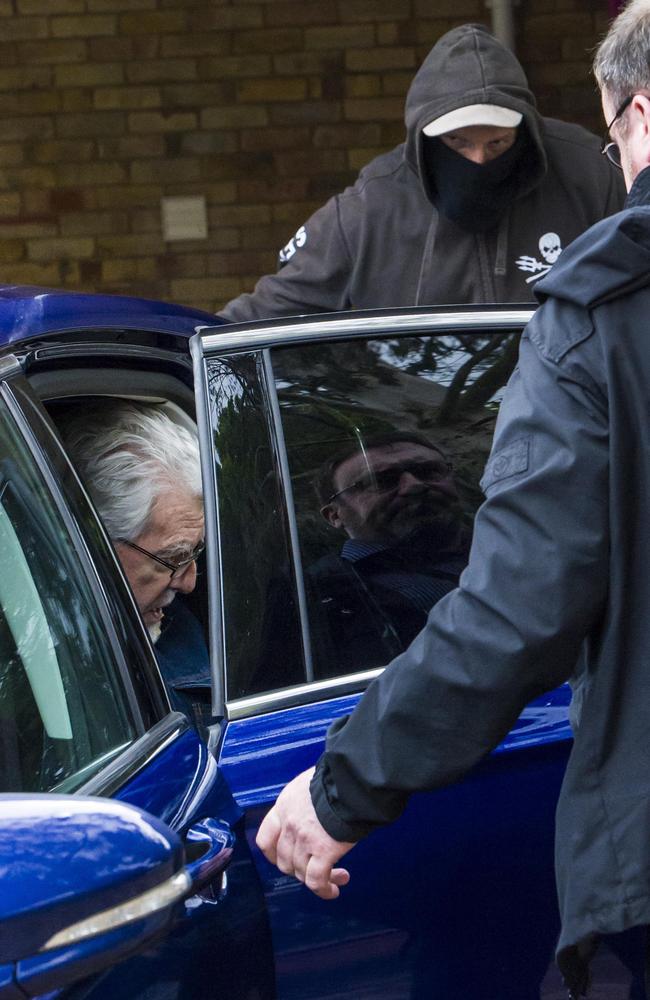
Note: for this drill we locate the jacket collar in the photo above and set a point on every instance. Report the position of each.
(639, 193)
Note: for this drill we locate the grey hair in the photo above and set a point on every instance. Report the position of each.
(127, 454)
(622, 60)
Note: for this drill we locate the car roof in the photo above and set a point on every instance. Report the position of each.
(27, 312)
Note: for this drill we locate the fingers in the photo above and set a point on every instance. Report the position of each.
(324, 880)
(268, 833)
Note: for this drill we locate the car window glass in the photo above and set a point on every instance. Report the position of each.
(262, 634)
(63, 709)
(386, 442)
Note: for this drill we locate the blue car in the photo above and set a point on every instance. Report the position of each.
(131, 795)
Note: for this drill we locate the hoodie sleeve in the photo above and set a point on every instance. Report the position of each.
(535, 582)
(313, 274)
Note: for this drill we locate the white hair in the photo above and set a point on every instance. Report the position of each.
(622, 61)
(127, 454)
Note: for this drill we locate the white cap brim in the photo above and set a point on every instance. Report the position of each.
(473, 114)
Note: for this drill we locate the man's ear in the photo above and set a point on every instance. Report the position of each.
(330, 512)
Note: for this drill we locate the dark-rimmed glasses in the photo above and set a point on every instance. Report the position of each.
(611, 149)
(386, 480)
(176, 569)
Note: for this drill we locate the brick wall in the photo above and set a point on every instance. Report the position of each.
(265, 107)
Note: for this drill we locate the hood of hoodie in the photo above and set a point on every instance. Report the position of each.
(610, 260)
(469, 66)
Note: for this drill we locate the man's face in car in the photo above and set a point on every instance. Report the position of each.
(174, 530)
(390, 491)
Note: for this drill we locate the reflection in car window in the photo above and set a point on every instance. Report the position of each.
(63, 711)
(261, 626)
(386, 441)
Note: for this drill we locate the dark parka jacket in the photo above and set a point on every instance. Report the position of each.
(383, 243)
(560, 565)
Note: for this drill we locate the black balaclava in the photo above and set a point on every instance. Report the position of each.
(473, 195)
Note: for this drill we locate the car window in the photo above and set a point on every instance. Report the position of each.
(63, 708)
(262, 633)
(384, 442)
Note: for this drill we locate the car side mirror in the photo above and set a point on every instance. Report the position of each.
(84, 883)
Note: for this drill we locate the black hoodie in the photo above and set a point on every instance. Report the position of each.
(383, 242)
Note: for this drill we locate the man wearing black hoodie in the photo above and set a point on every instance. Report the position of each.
(558, 567)
(475, 206)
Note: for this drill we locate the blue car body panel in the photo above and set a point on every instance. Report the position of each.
(30, 313)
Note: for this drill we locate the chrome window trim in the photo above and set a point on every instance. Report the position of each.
(352, 325)
(300, 694)
(216, 624)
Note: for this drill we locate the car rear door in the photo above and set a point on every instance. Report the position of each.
(83, 711)
(457, 898)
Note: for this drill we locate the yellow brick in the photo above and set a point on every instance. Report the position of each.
(206, 289)
(108, 98)
(76, 101)
(29, 102)
(51, 7)
(93, 223)
(11, 251)
(374, 110)
(16, 28)
(101, 123)
(89, 75)
(371, 60)
(83, 27)
(161, 71)
(129, 269)
(131, 196)
(9, 205)
(363, 86)
(377, 10)
(179, 122)
(55, 151)
(52, 51)
(136, 245)
(25, 77)
(271, 89)
(31, 274)
(165, 171)
(154, 23)
(91, 174)
(340, 37)
(234, 117)
(11, 154)
(53, 249)
(99, 6)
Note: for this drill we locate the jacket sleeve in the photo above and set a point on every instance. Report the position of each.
(534, 585)
(313, 275)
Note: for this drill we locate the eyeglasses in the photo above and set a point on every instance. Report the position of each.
(176, 569)
(611, 149)
(386, 480)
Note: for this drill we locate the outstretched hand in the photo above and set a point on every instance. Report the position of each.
(292, 838)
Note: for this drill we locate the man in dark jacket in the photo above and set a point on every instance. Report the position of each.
(558, 566)
(475, 206)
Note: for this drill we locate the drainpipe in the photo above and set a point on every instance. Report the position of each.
(502, 21)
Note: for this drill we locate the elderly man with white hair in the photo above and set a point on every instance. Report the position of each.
(142, 470)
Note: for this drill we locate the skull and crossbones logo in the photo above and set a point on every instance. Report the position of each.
(550, 247)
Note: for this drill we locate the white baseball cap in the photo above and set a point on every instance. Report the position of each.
(473, 114)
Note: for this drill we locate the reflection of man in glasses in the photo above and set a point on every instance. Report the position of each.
(142, 470)
(395, 497)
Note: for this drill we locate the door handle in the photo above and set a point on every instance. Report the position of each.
(208, 848)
